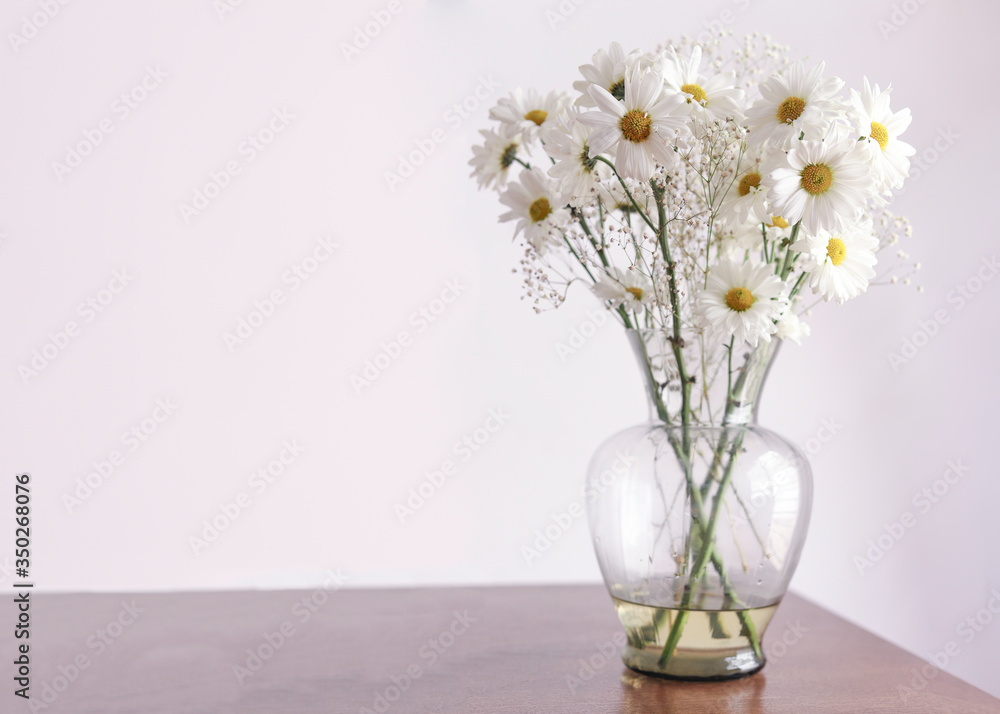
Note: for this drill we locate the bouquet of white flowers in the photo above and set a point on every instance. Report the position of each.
(689, 194)
(701, 195)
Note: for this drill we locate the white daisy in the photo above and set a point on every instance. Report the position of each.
(741, 301)
(709, 98)
(880, 129)
(574, 168)
(640, 125)
(607, 71)
(824, 184)
(746, 200)
(624, 288)
(529, 111)
(535, 205)
(492, 160)
(791, 327)
(790, 104)
(840, 264)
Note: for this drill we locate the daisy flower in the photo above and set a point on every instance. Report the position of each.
(741, 301)
(880, 129)
(639, 126)
(624, 288)
(793, 103)
(714, 98)
(529, 111)
(840, 264)
(824, 184)
(492, 160)
(607, 71)
(535, 205)
(746, 200)
(574, 169)
(791, 327)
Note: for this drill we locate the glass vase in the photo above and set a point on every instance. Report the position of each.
(698, 516)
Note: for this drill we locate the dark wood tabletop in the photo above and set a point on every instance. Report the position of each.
(449, 650)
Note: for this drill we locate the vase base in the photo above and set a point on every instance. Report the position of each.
(706, 668)
(712, 645)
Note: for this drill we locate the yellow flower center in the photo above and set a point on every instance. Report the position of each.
(537, 115)
(791, 109)
(695, 91)
(635, 291)
(749, 181)
(740, 299)
(816, 178)
(880, 134)
(777, 222)
(636, 126)
(540, 209)
(836, 250)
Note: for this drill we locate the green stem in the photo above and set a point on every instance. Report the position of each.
(697, 508)
(676, 628)
(789, 260)
(707, 531)
(677, 343)
(797, 286)
(701, 563)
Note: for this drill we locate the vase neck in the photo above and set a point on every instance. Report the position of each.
(719, 395)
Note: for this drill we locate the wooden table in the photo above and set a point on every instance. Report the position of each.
(449, 650)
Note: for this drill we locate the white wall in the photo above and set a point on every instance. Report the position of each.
(162, 336)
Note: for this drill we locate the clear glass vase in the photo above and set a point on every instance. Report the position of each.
(698, 517)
